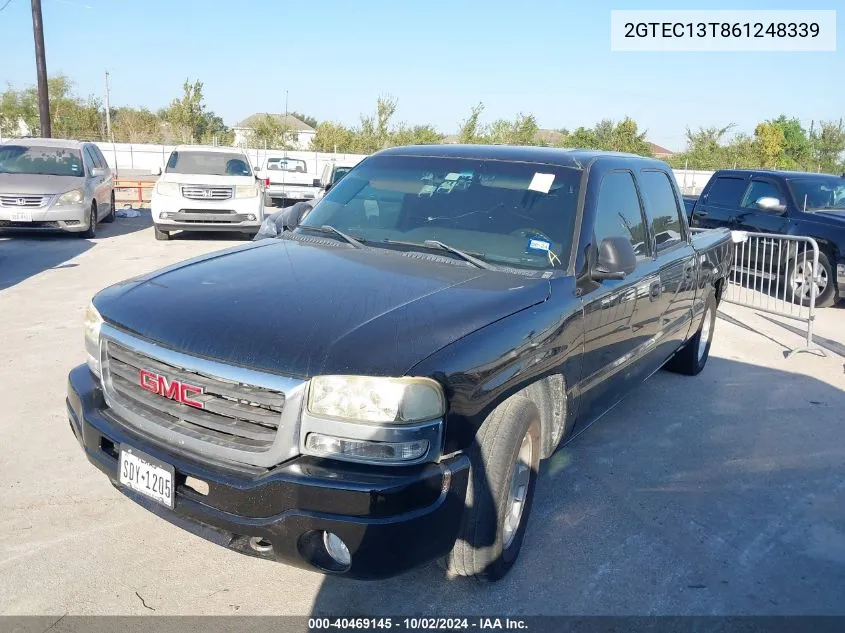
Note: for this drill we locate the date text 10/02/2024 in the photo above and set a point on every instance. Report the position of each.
(417, 624)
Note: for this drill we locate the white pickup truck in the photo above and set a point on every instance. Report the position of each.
(289, 181)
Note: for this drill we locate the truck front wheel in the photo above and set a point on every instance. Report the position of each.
(505, 458)
(161, 235)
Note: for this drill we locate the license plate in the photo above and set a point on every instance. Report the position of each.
(21, 216)
(147, 476)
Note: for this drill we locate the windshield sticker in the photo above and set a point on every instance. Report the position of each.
(538, 245)
(541, 182)
(427, 190)
(371, 208)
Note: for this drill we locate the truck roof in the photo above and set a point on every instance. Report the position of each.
(578, 158)
(783, 173)
(208, 148)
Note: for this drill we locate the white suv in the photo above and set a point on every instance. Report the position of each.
(207, 189)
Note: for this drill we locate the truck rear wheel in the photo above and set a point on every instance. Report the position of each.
(505, 458)
(801, 277)
(692, 357)
(161, 235)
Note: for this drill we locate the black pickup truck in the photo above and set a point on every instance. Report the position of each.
(375, 388)
(785, 202)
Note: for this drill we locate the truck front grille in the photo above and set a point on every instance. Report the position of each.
(22, 202)
(195, 192)
(233, 415)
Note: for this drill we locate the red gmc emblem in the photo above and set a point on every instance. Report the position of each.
(172, 389)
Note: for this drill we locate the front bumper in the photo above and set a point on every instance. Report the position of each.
(182, 214)
(291, 192)
(392, 519)
(69, 218)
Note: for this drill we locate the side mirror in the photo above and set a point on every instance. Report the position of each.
(767, 203)
(98, 172)
(316, 183)
(293, 215)
(328, 186)
(616, 259)
(155, 171)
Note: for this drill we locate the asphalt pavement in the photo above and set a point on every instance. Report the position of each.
(720, 494)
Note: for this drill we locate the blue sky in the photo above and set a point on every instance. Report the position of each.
(335, 57)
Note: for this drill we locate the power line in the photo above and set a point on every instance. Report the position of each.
(8, 2)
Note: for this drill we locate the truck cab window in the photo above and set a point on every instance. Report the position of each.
(726, 191)
(618, 213)
(661, 206)
(759, 189)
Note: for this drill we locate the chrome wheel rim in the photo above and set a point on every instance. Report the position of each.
(518, 490)
(704, 339)
(803, 280)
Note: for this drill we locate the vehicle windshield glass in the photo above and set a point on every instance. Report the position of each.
(511, 213)
(339, 173)
(286, 164)
(45, 161)
(820, 192)
(208, 164)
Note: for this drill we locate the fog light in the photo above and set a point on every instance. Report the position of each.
(365, 450)
(337, 549)
(250, 217)
(163, 215)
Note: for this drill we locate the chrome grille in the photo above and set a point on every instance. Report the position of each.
(22, 202)
(195, 192)
(234, 415)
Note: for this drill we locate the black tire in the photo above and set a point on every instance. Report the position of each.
(162, 236)
(549, 395)
(827, 297)
(481, 550)
(113, 213)
(91, 233)
(692, 358)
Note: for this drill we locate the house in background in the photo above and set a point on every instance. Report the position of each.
(304, 132)
(660, 152)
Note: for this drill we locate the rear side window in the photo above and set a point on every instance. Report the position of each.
(100, 158)
(726, 191)
(661, 207)
(618, 212)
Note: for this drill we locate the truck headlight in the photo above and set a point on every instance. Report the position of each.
(74, 196)
(246, 191)
(379, 400)
(93, 323)
(167, 188)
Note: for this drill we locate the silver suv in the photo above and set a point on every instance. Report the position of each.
(54, 185)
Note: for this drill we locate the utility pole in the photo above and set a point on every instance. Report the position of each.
(41, 66)
(108, 110)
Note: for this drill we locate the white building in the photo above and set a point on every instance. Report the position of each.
(304, 132)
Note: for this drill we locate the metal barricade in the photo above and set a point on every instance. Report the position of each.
(776, 274)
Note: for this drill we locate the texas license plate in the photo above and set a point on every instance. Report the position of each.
(21, 216)
(147, 476)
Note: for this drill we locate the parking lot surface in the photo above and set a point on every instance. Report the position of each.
(719, 494)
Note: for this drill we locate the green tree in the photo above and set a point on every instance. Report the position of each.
(769, 140)
(332, 137)
(272, 132)
(471, 130)
(186, 115)
(415, 135)
(828, 145)
(130, 125)
(796, 143)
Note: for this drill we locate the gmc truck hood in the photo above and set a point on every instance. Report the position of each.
(300, 309)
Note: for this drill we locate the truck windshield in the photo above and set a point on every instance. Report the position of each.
(286, 164)
(43, 161)
(818, 192)
(511, 213)
(208, 164)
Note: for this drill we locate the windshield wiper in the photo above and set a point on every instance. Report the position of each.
(436, 244)
(328, 228)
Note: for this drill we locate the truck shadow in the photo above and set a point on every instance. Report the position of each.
(717, 495)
